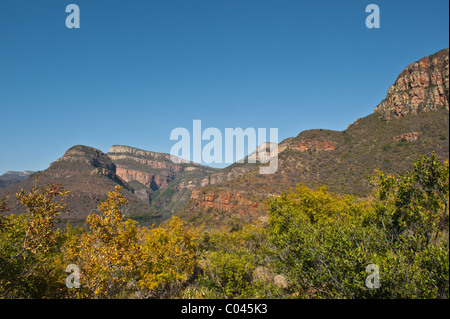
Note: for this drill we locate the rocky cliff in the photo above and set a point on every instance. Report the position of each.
(422, 87)
(156, 179)
(152, 170)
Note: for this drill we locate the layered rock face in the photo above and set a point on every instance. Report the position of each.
(151, 169)
(152, 159)
(157, 179)
(98, 162)
(152, 181)
(422, 87)
(228, 202)
(303, 146)
(240, 191)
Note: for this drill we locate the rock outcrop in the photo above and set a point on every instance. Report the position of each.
(408, 137)
(88, 155)
(152, 181)
(156, 179)
(228, 202)
(422, 87)
(303, 146)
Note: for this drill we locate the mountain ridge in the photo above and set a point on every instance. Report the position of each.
(13, 177)
(389, 139)
(412, 119)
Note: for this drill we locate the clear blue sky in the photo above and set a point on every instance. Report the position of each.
(137, 69)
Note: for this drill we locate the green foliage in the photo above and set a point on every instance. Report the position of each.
(168, 258)
(118, 259)
(324, 242)
(418, 200)
(387, 147)
(318, 243)
(107, 253)
(230, 272)
(312, 244)
(28, 245)
(235, 265)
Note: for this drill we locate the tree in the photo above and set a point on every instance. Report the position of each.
(27, 244)
(316, 239)
(118, 259)
(412, 210)
(417, 201)
(168, 258)
(3, 208)
(323, 242)
(108, 253)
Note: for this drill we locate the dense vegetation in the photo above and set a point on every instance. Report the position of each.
(313, 244)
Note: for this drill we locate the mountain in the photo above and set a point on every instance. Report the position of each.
(155, 186)
(89, 175)
(421, 87)
(412, 119)
(165, 185)
(10, 177)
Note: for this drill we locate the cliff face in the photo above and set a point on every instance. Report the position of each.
(152, 159)
(239, 191)
(155, 178)
(228, 202)
(152, 170)
(422, 87)
(151, 181)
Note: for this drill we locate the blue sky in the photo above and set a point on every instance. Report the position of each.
(137, 69)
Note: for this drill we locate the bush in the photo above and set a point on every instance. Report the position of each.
(28, 245)
(324, 242)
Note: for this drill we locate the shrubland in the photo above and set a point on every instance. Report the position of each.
(312, 243)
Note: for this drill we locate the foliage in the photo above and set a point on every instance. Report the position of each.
(118, 259)
(312, 244)
(28, 244)
(168, 258)
(324, 242)
(227, 263)
(235, 265)
(417, 201)
(3, 208)
(108, 252)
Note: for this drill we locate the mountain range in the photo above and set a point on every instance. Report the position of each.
(11, 177)
(411, 120)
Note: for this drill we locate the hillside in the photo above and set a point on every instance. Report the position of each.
(413, 119)
(89, 175)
